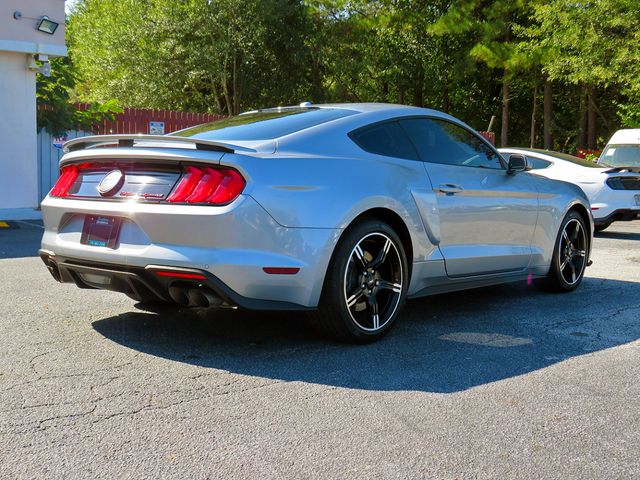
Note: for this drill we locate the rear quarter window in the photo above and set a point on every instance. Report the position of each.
(388, 139)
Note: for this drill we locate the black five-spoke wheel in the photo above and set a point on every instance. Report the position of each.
(373, 281)
(366, 284)
(570, 255)
(573, 251)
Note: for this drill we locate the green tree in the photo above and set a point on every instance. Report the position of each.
(491, 25)
(592, 44)
(56, 112)
(219, 55)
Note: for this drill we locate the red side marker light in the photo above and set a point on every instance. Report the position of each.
(281, 270)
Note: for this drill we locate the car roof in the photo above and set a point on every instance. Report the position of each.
(626, 136)
(312, 137)
(356, 107)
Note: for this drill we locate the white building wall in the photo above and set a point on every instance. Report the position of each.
(18, 145)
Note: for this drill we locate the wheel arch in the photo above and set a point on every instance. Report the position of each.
(588, 220)
(391, 218)
(582, 210)
(396, 222)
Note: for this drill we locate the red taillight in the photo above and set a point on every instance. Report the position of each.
(208, 185)
(68, 176)
(229, 188)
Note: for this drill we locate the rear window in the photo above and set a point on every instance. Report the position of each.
(388, 139)
(264, 124)
(620, 156)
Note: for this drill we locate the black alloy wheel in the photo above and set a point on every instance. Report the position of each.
(366, 284)
(569, 255)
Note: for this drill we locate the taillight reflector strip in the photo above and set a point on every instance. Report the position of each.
(190, 276)
(281, 270)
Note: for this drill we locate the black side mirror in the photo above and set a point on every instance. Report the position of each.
(518, 163)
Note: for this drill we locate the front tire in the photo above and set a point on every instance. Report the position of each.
(366, 284)
(569, 256)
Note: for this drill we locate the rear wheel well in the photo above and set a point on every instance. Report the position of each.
(584, 213)
(394, 220)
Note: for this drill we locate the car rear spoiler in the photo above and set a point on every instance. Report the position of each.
(623, 169)
(81, 143)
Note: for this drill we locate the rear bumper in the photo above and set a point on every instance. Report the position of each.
(189, 287)
(230, 244)
(619, 215)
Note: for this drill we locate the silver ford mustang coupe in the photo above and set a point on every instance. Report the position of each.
(344, 210)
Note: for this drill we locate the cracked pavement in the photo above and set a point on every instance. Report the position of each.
(499, 382)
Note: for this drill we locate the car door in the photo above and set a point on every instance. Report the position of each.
(486, 216)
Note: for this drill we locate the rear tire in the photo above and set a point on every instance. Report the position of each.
(366, 284)
(569, 256)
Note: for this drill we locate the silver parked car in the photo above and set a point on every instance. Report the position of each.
(345, 210)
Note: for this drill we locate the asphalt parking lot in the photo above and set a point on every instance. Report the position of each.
(500, 382)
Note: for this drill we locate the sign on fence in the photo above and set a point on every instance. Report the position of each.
(156, 128)
(57, 142)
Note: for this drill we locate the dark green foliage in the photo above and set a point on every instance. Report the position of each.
(228, 56)
(56, 112)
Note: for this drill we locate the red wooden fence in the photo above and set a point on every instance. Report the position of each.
(491, 136)
(136, 120)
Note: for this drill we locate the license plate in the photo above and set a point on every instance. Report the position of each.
(101, 231)
(637, 197)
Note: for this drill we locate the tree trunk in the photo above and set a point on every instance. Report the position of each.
(445, 99)
(316, 79)
(591, 118)
(504, 135)
(548, 114)
(401, 95)
(236, 87)
(225, 88)
(216, 97)
(418, 90)
(534, 112)
(581, 140)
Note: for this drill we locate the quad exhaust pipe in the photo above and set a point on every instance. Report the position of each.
(194, 296)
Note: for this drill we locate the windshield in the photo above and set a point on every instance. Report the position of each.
(264, 124)
(621, 156)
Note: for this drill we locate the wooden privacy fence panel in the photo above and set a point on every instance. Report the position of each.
(491, 136)
(137, 120)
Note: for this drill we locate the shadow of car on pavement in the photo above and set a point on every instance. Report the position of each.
(445, 343)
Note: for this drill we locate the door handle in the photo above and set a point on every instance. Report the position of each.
(450, 188)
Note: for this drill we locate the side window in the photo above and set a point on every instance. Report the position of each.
(387, 139)
(538, 163)
(439, 141)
